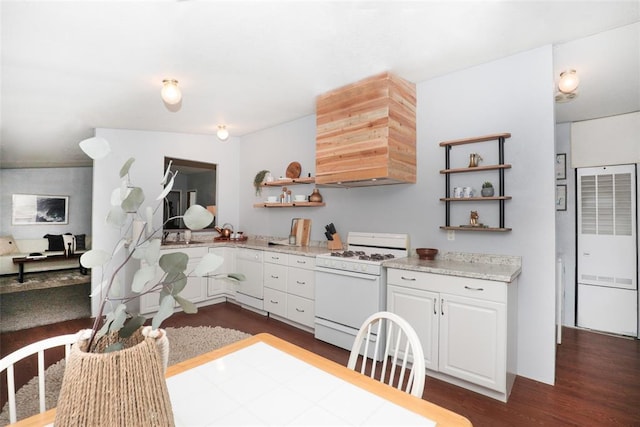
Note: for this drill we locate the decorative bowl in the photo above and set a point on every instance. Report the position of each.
(426, 253)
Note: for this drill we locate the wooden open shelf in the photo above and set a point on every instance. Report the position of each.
(474, 199)
(293, 181)
(494, 229)
(287, 205)
(476, 169)
(475, 139)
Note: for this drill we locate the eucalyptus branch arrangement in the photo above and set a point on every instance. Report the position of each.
(139, 241)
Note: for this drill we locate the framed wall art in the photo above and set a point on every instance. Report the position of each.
(561, 197)
(561, 166)
(39, 209)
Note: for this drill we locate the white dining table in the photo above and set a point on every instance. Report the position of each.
(266, 381)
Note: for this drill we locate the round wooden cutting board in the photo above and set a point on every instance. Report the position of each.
(293, 170)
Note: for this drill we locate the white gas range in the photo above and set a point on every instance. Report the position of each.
(350, 285)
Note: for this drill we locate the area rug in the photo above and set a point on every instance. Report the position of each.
(43, 280)
(23, 310)
(184, 343)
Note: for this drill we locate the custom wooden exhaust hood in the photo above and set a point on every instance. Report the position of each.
(366, 133)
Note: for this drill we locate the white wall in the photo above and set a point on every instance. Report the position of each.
(149, 150)
(513, 95)
(73, 182)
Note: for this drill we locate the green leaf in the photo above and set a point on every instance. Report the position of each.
(116, 346)
(166, 189)
(237, 276)
(95, 147)
(166, 174)
(197, 217)
(140, 251)
(131, 326)
(133, 200)
(209, 263)
(124, 170)
(105, 327)
(94, 258)
(153, 252)
(175, 262)
(165, 311)
(176, 282)
(186, 305)
(116, 216)
(120, 316)
(149, 215)
(142, 277)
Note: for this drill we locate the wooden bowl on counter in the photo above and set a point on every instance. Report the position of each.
(426, 253)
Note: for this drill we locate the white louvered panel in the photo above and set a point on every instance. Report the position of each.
(588, 204)
(605, 204)
(623, 207)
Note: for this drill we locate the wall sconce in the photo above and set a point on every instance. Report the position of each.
(569, 81)
(222, 133)
(170, 91)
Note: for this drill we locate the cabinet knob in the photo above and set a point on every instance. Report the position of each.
(300, 283)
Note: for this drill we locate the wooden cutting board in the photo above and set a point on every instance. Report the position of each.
(302, 229)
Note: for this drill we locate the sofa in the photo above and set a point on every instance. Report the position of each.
(13, 248)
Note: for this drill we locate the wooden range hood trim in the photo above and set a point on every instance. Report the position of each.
(366, 133)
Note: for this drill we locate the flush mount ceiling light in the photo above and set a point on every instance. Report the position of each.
(222, 133)
(170, 91)
(569, 81)
(567, 86)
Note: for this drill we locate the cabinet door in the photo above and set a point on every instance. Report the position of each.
(217, 286)
(473, 338)
(420, 309)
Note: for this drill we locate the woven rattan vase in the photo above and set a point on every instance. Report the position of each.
(121, 388)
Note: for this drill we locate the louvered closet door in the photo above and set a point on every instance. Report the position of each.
(607, 226)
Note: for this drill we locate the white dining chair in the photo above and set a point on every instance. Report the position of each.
(7, 363)
(402, 350)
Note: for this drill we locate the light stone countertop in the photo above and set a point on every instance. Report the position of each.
(499, 268)
(259, 243)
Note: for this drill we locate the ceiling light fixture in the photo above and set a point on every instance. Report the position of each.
(569, 81)
(170, 91)
(222, 133)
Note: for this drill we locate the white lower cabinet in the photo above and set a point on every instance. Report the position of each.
(289, 287)
(466, 327)
(218, 287)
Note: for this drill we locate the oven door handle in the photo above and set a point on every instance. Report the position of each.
(337, 272)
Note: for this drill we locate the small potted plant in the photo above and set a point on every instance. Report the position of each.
(487, 189)
(258, 180)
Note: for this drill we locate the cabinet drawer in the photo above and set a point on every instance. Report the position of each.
(302, 262)
(301, 282)
(463, 286)
(300, 310)
(275, 302)
(198, 252)
(275, 276)
(276, 257)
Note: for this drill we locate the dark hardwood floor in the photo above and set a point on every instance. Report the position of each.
(597, 376)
